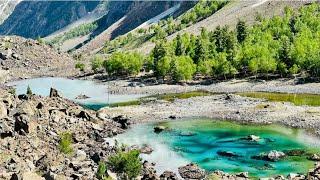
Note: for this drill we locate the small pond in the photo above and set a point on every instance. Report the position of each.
(201, 140)
(296, 99)
(70, 89)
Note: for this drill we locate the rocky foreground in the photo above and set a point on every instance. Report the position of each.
(31, 128)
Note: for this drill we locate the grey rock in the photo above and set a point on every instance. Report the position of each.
(191, 171)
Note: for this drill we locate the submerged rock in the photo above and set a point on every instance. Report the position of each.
(191, 171)
(159, 129)
(295, 152)
(252, 138)
(271, 156)
(227, 154)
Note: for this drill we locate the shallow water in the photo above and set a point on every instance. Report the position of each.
(70, 89)
(199, 141)
(297, 99)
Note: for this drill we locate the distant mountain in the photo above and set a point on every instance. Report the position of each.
(31, 19)
(6, 8)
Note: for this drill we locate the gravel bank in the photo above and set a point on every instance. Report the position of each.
(228, 107)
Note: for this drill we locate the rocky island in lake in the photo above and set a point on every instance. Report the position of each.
(160, 90)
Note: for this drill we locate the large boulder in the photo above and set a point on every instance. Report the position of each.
(31, 176)
(168, 175)
(4, 76)
(123, 121)
(191, 171)
(54, 93)
(3, 110)
(22, 123)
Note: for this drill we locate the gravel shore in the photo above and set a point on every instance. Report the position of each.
(226, 107)
(244, 85)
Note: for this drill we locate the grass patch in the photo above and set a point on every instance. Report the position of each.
(296, 99)
(127, 103)
(172, 96)
(65, 144)
(167, 97)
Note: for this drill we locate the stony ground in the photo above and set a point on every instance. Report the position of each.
(145, 87)
(22, 58)
(226, 106)
(31, 129)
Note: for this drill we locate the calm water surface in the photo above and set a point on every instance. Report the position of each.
(70, 89)
(199, 140)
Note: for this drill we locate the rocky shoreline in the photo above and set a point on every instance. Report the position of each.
(25, 120)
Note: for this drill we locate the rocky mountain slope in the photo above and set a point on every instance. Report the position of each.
(24, 58)
(32, 19)
(6, 8)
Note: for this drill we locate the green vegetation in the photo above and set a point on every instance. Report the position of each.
(124, 64)
(78, 31)
(80, 66)
(167, 97)
(102, 172)
(65, 144)
(96, 63)
(29, 91)
(164, 27)
(281, 45)
(296, 99)
(126, 164)
(127, 103)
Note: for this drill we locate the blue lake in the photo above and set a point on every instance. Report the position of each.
(200, 140)
(70, 89)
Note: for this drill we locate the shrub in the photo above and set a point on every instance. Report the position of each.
(80, 66)
(127, 164)
(96, 63)
(102, 171)
(65, 144)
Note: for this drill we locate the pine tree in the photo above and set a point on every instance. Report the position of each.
(241, 31)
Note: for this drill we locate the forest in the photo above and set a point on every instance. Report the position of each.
(283, 45)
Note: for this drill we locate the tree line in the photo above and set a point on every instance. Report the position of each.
(283, 45)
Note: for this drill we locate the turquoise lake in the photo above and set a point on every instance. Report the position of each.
(71, 88)
(199, 140)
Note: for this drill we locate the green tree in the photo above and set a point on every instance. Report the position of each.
(96, 63)
(163, 67)
(183, 68)
(241, 31)
(29, 91)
